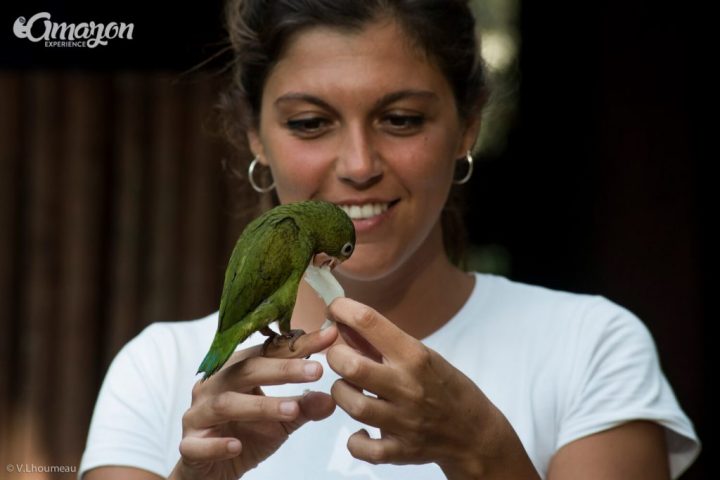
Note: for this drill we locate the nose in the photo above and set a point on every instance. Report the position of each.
(358, 163)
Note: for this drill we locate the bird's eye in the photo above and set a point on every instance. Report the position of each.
(347, 249)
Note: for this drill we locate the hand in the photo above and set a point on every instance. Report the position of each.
(426, 409)
(232, 426)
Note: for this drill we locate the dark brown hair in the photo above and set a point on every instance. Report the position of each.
(259, 30)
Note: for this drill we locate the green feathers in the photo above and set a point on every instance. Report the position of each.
(266, 267)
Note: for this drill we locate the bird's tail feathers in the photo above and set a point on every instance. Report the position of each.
(222, 348)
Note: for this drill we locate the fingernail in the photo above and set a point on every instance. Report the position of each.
(311, 369)
(233, 446)
(287, 408)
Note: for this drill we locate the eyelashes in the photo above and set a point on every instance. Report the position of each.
(403, 123)
(393, 123)
(309, 127)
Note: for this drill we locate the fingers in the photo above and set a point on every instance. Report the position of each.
(364, 372)
(240, 407)
(375, 451)
(268, 371)
(316, 405)
(248, 367)
(380, 332)
(313, 406)
(233, 406)
(305, 345)
(199, 450)
(356, 341)
(363, 408)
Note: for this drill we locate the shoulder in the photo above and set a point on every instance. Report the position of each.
(162, 338)
(163, 357)
(136, 420)
(590, 361)
(556, 312)
(561, 340)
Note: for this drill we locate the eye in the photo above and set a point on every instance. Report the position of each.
(308, 126)
(400, 123)
(347, 249)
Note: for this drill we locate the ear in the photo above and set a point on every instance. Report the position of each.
(469, 136)
(256, 145)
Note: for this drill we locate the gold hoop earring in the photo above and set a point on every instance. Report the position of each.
(468, 174)
(251, 173)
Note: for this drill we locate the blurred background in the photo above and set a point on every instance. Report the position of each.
(120, 201)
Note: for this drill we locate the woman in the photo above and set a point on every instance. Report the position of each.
(370, 105)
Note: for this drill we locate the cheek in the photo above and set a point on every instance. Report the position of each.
(426, 167)
(298, 170)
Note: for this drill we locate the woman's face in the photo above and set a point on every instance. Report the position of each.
(364, 120)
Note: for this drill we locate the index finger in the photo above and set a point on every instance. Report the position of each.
(386, 337)
(305, 345)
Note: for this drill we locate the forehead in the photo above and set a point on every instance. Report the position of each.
(380, 54)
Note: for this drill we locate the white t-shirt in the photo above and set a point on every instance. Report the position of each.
(560, 366)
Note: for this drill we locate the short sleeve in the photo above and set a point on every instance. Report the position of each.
(127, 427)
(620, 380)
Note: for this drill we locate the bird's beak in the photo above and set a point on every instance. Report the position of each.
(323, 259)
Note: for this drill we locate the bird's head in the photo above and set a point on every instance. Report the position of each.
(334, 235)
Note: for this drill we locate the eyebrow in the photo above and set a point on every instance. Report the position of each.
(399, 95)
(383, 101)
(304, 97)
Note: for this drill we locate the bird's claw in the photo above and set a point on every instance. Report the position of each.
(291, 336)
(277, 340)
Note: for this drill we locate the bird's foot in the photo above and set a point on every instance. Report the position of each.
(279, 340)
(290, 336)
(268, 332)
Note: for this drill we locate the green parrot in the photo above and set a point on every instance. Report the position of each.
(265, 269)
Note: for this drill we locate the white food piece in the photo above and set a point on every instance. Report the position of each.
(325, 285)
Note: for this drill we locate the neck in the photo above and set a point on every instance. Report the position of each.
(422, 294)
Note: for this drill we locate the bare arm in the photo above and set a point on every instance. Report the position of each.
(634, 450)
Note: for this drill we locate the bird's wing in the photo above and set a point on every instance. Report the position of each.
(264, 257)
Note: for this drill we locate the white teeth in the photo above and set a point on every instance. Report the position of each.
(360, 212)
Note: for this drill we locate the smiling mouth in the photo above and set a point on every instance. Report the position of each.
(368, 210)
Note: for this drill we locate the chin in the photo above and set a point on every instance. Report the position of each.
(366, 267)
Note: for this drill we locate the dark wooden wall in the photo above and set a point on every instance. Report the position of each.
(115, 211)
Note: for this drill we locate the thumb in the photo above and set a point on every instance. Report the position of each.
(313, 406)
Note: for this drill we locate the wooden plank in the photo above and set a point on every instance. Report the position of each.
(10, 169)
(129, 196)
(200, 206)
(81, 263)
(40, 262)
(163, 205)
